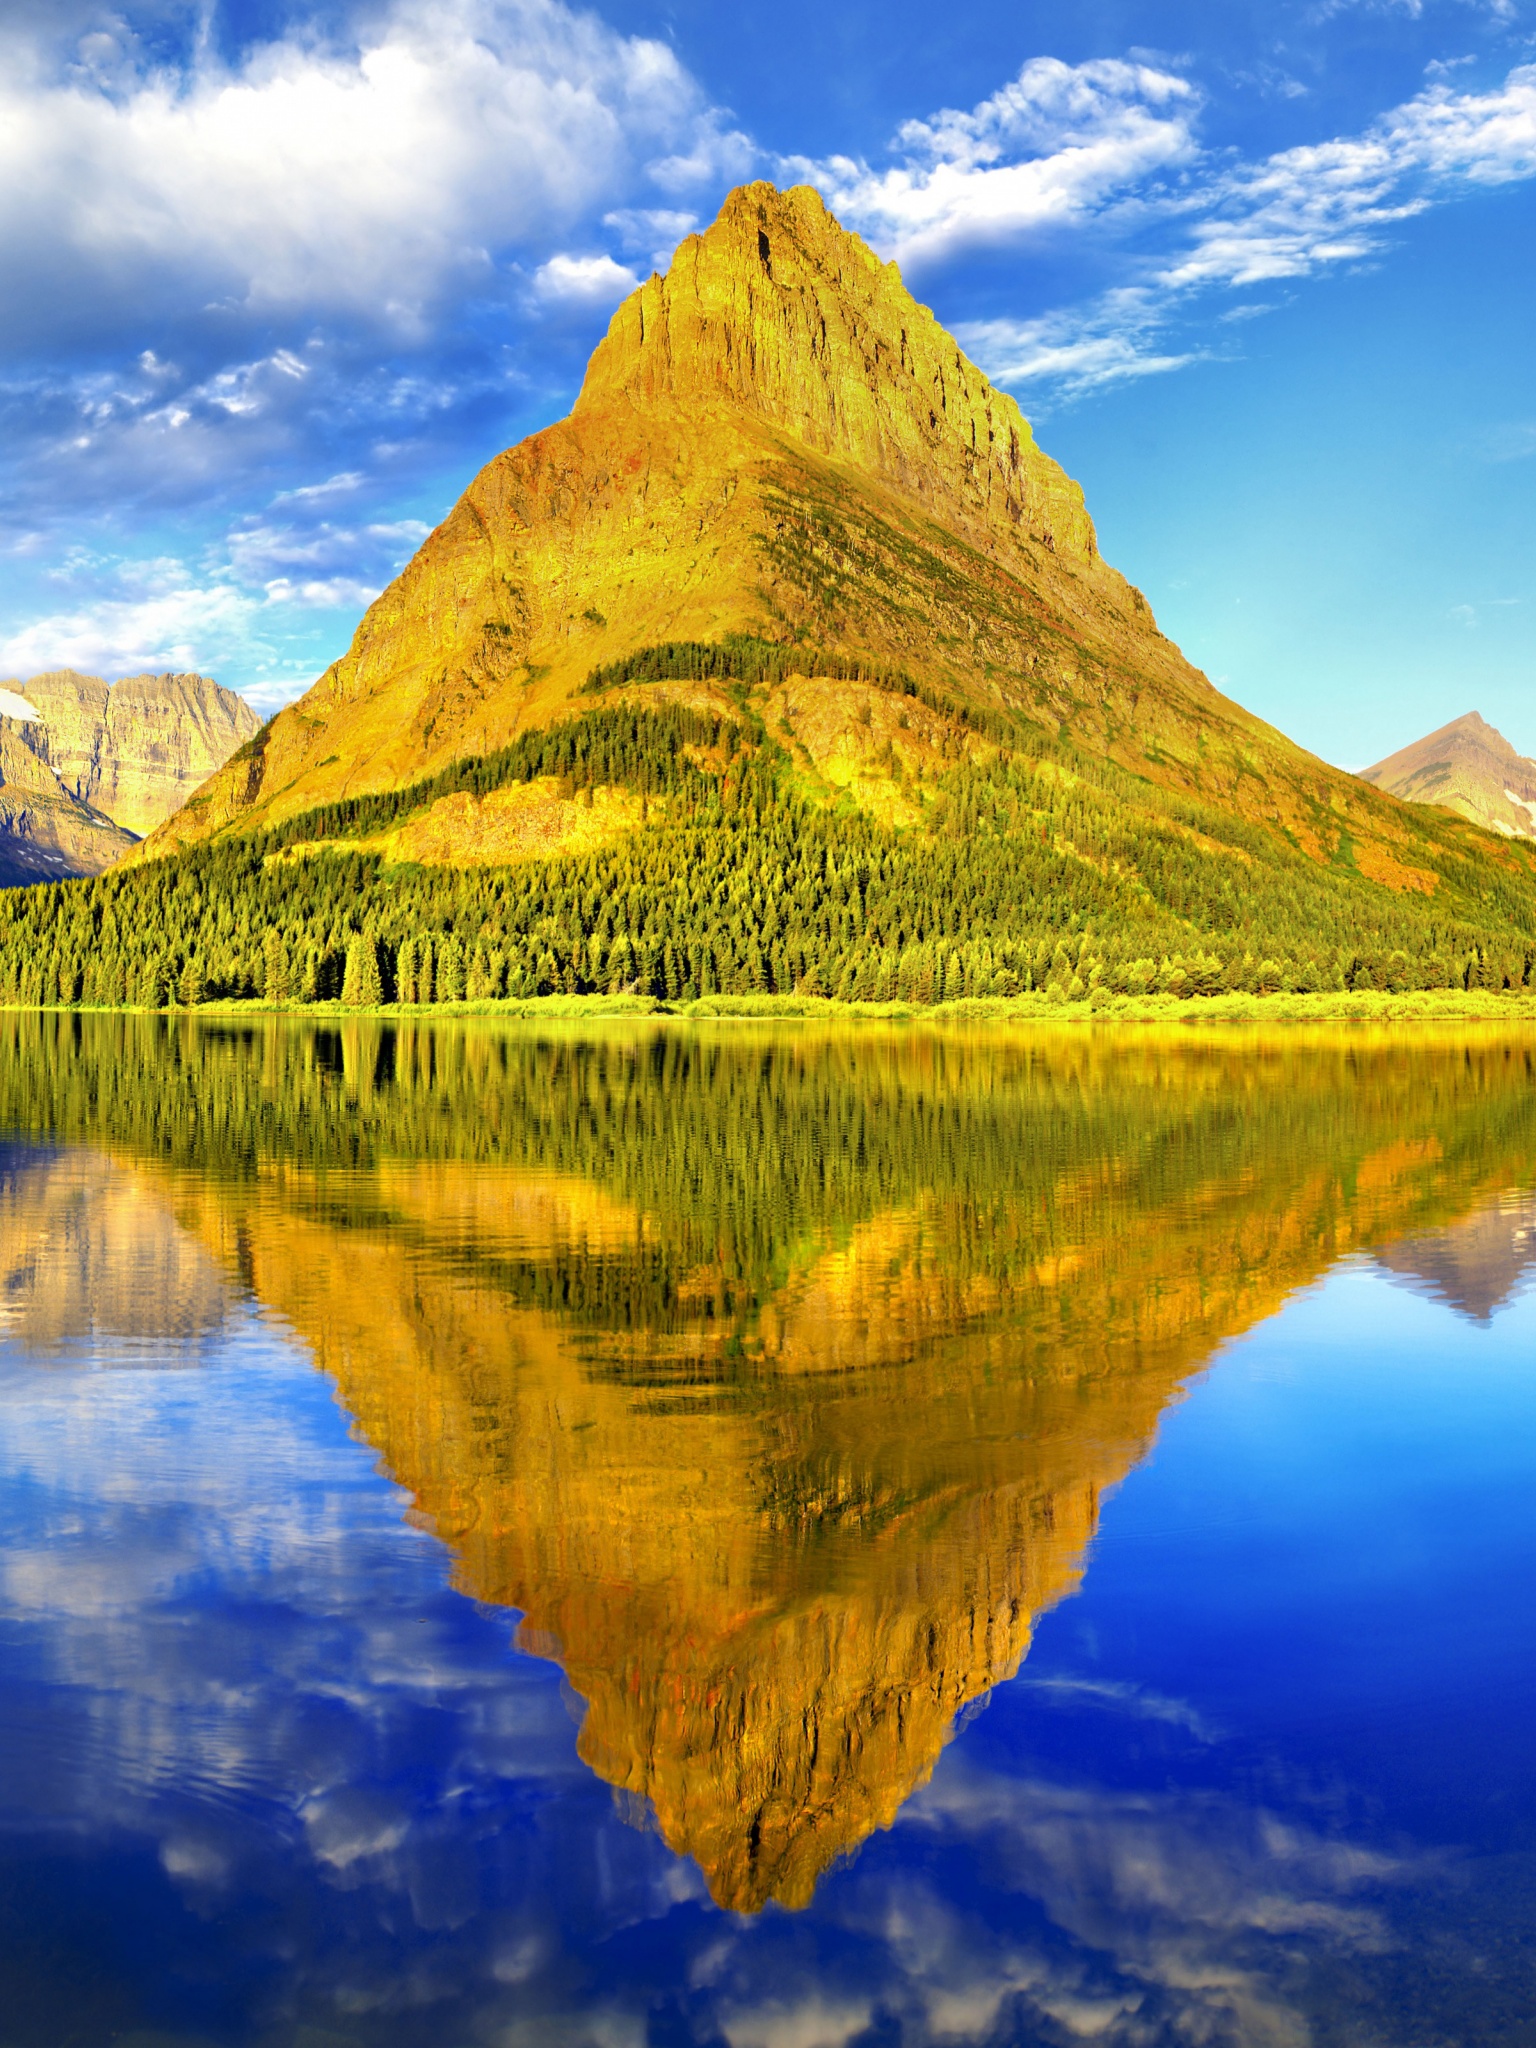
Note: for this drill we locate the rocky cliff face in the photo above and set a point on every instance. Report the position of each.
(88, 767)
(135, 749)
(776, 439)
(1467, 766)
(46, 832)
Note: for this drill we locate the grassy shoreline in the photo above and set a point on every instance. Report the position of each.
(1362, 1006)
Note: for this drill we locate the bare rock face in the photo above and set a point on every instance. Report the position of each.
(87, 768)
(46, 833)
(1467, 766)
(779, 311)
(138, 748)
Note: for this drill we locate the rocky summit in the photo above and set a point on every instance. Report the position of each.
(775, 440)
(1468, 767)
(88, 767)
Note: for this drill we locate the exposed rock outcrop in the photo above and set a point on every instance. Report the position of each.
(138, 748)
(46, 832)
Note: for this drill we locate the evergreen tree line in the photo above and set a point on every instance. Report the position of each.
(740, 658)
(1032, 871)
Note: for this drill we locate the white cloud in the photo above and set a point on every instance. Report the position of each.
(1110, 151)
(175, 626)
(583, 281)
(811, 2021)
(1054, 146)
(1076, 350)
(334, 486)
(1327, 203)
(325, 178)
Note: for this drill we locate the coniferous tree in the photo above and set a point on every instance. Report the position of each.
(363, 985)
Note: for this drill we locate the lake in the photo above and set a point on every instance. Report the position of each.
(789, 1537)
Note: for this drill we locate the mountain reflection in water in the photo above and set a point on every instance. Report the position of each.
(775, 1376)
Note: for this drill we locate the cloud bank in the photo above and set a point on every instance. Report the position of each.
(320, 179)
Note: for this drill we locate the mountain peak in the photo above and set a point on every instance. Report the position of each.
(1467, 766)
(776, 444)
(779, 310)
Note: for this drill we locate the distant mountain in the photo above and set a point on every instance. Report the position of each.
(88, 767)
(1467, 766)
(46, 833)
(138, 748)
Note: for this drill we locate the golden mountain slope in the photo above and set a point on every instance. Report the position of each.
(776, 439)
(1469, 767)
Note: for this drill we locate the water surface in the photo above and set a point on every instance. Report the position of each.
(764, 1536)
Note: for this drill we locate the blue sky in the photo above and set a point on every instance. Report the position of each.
(282, 275)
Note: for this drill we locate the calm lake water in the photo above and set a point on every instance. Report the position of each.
(765, 1536)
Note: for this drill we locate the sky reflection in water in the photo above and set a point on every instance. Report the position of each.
(275, 1770)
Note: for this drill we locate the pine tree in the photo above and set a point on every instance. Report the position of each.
(277, 973)
(363, 986)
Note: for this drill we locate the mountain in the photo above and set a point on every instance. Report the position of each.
(787, 662)
(46, 832)
(138, 748)
(1476, 1266)
(776, 440)
(1469, 767)
(87, 767)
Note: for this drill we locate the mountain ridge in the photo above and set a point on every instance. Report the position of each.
(786, 664)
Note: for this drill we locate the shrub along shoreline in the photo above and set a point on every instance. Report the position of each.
(1509, 1006)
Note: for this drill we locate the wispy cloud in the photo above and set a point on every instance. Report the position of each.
(1111, 151)
(1059, 144)
(246, 611)
(169, 622)
(1310, 208)
(1078, 350)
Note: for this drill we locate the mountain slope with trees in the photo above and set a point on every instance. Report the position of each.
(787, 662)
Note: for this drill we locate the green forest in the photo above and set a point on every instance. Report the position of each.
(1035, 867)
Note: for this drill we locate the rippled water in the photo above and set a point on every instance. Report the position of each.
(649, 1535)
